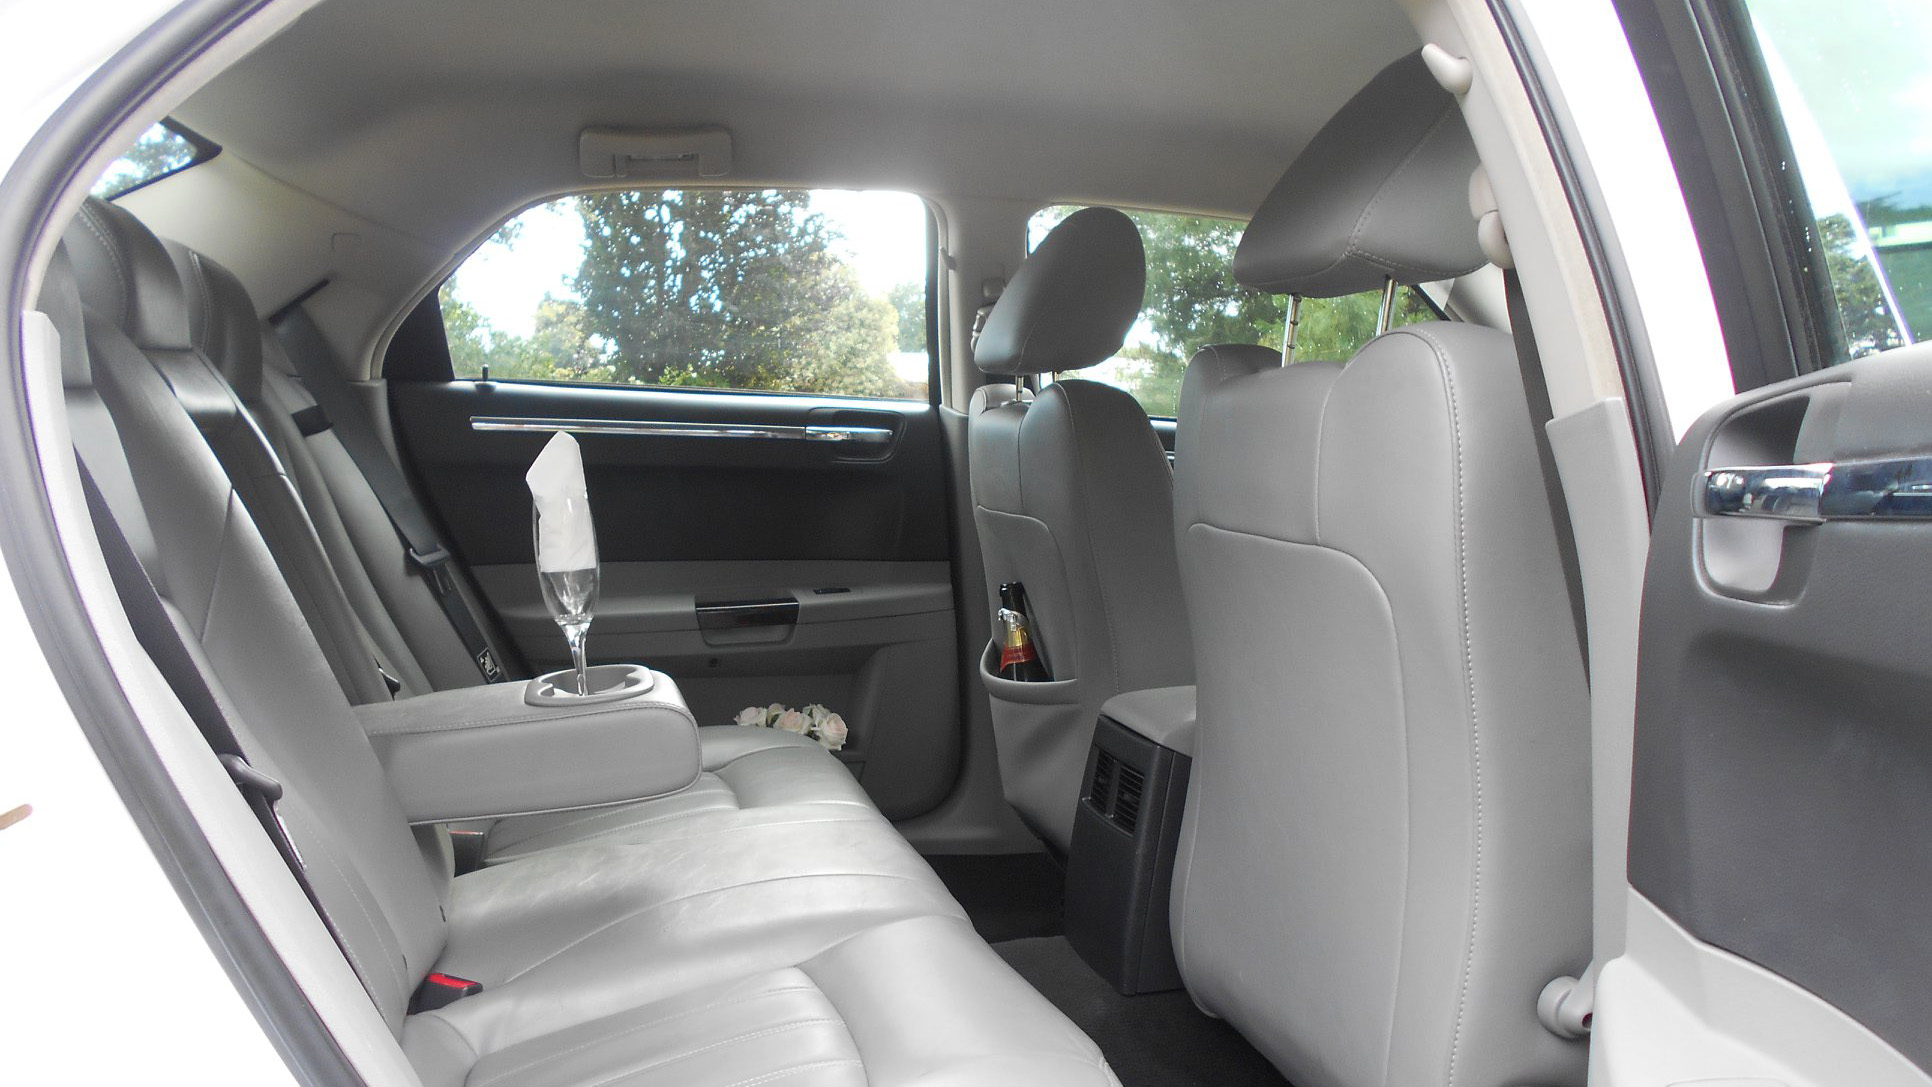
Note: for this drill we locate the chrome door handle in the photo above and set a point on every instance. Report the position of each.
(644, 428)
(1890, 488)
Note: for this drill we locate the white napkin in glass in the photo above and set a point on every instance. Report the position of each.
(566, 538)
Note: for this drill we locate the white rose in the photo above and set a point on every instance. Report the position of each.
(791, 721)
(832, 732)
(815, 714)
(750, 717)
(772, 711)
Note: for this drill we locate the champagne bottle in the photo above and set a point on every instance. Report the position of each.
(1019, 659)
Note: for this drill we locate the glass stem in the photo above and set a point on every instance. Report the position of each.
(577, 635)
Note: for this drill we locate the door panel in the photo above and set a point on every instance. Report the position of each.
(1782, 795)
(762, 566)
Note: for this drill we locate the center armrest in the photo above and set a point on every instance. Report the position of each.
(1164, 715)
(486, 752)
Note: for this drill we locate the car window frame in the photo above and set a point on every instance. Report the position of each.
(419, 347)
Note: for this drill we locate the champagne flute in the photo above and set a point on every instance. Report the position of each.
(571, 596)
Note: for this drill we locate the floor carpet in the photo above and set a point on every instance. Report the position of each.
(1153, 1040)
(1007, 895)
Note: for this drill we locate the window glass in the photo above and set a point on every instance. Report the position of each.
(1851, 84)
(162, 150)
(776, 290)
(1192, 301)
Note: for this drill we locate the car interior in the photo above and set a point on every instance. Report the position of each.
(1298, 785)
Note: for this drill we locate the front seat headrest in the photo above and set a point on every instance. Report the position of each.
(126, 277)
(1379, 193)
(1072, 302)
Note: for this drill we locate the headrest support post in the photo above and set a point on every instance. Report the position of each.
(1385, 317)
(1288, 336)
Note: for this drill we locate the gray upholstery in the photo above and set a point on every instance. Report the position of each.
(1385, 850)
(1386, 846)
(124, 270)
(1072, 302)
(484, 753)
(1209, 367)
(732, 946)
(330, 537)
(1164, 715)
(1073, 498)
(1379, 193)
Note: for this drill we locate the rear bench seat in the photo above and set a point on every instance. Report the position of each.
(727, 946)
(344, 562)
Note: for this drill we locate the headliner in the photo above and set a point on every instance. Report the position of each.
(438, 117)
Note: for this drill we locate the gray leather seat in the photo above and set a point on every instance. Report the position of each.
(194, 321)
(1073, 498)
(1385, 851)
(746, 948)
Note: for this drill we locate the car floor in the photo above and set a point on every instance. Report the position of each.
(1151, 1040)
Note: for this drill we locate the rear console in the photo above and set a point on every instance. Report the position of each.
(1126, 832)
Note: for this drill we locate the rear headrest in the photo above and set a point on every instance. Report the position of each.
(126, 277)
(60, 300)
(1072, 302)
(1380, 192)
(221, 319)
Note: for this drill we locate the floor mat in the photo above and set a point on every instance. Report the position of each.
(1008, 895)
(1154, 1040)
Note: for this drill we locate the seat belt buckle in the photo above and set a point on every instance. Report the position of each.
(440, 990)
(435, 566)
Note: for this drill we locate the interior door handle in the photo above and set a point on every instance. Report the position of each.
(1890, 488)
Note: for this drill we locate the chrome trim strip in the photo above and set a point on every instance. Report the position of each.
(644, 428)
(1891, 488)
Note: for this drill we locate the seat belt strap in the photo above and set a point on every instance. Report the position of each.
(162, 641)
(342, 412)
(1537, 391)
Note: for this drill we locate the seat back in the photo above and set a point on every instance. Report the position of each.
(1073, 498)
(1385, 852)
(220, 583)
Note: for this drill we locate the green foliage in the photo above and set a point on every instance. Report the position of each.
(1866, 324)
(730, 289)
(909, 300)
(560, 346)
(160, 150)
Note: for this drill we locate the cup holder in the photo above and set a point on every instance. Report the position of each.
(608, 683)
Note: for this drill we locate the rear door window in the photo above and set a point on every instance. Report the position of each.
(1853, 92)
(772, 290)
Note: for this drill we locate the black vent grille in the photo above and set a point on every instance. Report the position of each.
(1116, 791)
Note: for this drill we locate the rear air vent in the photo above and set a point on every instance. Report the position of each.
(1126, 813)
(1116, 791)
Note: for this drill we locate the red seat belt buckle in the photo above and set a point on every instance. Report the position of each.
(440, 990)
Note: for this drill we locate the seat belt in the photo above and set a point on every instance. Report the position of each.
(1537, 391)
(162, 640)
(303, 342)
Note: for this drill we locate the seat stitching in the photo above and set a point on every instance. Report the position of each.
(1321, 428)
(1093, 553)
(402, 983)
(601, 813)
(1469, 682)
(634, 1028)
(96, 227)
(642, 910)
(689, 1053)
(405, 727)
(794, 1070)
(721, 830)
